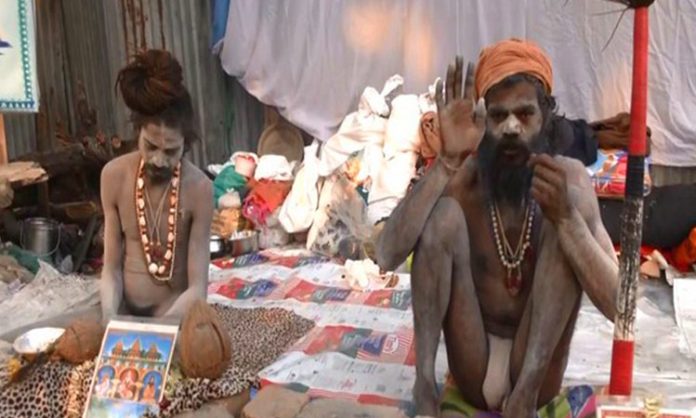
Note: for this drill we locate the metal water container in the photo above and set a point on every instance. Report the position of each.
(41, 236)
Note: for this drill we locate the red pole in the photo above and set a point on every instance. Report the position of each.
(621, 381)
(639, 94)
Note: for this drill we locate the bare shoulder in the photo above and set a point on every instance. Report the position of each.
(580, 188)
(576, 173)
(114, 173)
(196, 181)
(120, 165)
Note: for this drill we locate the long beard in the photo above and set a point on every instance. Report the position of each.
(509, 183)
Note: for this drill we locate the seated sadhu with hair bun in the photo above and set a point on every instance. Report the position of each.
(157, 206)
(506, 234)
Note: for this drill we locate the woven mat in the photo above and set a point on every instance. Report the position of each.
(258, 337)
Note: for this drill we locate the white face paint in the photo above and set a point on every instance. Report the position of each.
(514, 113)
(512, 125)
(161, 148)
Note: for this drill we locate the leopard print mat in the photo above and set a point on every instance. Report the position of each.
(259, 336)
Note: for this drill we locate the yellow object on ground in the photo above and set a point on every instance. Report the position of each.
(572, 402)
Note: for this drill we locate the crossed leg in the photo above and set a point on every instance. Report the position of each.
(540, 349)
(444, 297)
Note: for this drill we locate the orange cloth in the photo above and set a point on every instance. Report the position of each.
(615, 132)
(271, 192)
(430, 130)
(685, 253)
(510, 57)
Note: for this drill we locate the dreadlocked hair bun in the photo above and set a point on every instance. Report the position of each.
(152, 82)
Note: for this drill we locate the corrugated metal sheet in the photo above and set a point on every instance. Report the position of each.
(71, 65)
(245, 117)
(31, 132)
(665, 176)
(182, 27)
(20, 130)
(89, 86)
(83, 43)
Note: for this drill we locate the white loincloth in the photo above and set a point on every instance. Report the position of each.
(496, 385)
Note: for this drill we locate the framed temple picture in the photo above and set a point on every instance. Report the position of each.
(19, 89)
(131, 370)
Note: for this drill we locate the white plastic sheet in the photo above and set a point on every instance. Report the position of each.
(319, 292)
(313, 58)
(50, 294)
(298, 209)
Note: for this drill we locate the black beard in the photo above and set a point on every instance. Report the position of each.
(508, 183)
(157, 174)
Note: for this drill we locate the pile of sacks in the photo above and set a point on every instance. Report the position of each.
(353, 181)
(342, 189)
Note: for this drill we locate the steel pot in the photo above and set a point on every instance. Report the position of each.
(243, 242)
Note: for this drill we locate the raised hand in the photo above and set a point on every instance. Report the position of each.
(462, 123)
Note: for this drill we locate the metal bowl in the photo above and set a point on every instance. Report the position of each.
(37, 340)
(243, 242)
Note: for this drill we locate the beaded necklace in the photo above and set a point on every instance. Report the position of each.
(512, 259)
(159, 262)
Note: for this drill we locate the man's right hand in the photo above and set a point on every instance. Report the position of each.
(462, 123)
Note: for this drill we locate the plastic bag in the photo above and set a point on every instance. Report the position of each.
(359, 129)
(272, 234)
(340, 225)
(297, 212)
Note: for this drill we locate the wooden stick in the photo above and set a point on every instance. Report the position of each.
(4, 159)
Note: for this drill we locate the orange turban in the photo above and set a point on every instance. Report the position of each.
(509, 57)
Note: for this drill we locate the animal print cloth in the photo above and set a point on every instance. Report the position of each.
(259, 336)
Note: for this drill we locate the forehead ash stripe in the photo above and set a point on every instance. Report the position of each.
(150, 142)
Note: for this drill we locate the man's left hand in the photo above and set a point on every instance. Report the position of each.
(549, 187)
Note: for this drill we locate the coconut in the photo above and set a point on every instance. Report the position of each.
(204, 343)
(80, 342)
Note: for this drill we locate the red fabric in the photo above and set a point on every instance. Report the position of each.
(685, 254)
(264, 198)
(272, 192)
(670, 256)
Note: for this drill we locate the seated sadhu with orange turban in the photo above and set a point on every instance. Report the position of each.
(506, 236)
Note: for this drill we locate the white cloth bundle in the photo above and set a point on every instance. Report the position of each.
(297, 212)
(403, 127)
(365, 127)
(274, 167)
(391, 185)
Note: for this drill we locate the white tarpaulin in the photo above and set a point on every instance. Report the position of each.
(19, 90)
(313, 58)
(362, 345)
